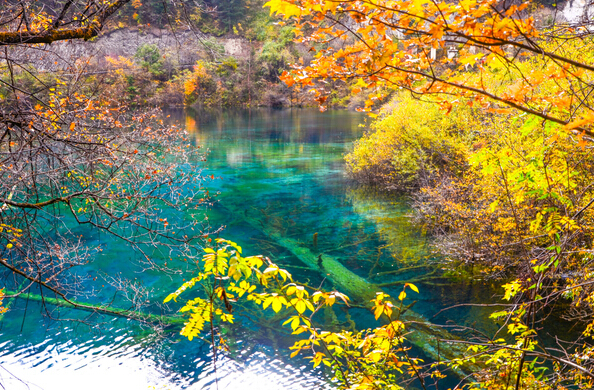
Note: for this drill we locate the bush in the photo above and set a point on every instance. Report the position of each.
(200, 87)
(149, 58)
(506, 194)
(411, 144)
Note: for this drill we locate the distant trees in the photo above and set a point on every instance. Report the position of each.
(150, 59)
(227, 11)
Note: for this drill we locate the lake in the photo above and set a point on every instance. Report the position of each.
(278, 181)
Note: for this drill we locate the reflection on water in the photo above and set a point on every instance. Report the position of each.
(280, 175)
(125, 363)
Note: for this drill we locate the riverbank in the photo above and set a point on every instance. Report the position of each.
(147, 66)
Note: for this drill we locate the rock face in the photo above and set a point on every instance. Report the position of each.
(237, 47)
(183, 47)
(578, 11)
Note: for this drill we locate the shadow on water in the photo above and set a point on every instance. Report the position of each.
(281, 185)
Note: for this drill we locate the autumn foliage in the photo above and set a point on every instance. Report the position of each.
(226, 281)
(499, 168)
(501, 175)
(388, 43)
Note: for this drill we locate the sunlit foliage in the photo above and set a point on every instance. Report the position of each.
(519, 208)
(388, 43)
(513, 198)
(371, 359)
(413, 142)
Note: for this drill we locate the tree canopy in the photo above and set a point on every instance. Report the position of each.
(386, 43)
(511, 184)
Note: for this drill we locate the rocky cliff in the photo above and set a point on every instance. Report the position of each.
(182, 47)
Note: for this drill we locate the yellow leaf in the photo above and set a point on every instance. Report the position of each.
(169, 297)
(267, 302)
(277, 305)
(379, 309)
(318, 359)
(299, 305)
(470, 59)
(376, 355)
(511, 289)
(285, 8)
(295, 323)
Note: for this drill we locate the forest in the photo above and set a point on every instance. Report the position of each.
(312, 194)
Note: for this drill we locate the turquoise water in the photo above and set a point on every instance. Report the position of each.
(276, 174)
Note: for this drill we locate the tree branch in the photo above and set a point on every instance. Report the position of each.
(53, 33)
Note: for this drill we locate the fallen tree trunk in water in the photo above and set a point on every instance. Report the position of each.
(101, 309)
(424, 335)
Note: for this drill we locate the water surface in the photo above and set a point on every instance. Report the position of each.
(278, 171)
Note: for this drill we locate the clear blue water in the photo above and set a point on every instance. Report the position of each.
(274, 170)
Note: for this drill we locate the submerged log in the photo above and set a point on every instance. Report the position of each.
(102, 309)
(424, 335)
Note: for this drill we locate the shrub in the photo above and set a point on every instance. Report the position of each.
(412, 143)
(150, 59)
(200, 86)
